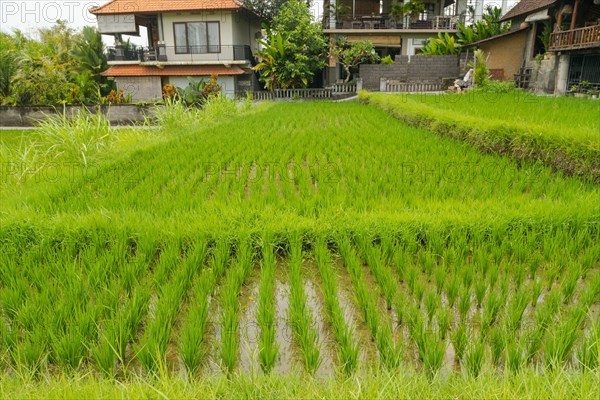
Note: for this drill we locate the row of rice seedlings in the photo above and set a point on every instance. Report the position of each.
(430, 344)
(267, 345)
(121, 330)
(230, 291)
(193, 335)
(378, 323)
(302, 322)
(562, 337)
(348, 347)
(152, 347)
(65, 320)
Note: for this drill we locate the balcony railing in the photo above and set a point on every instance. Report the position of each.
(575, 39)
(387, 22)
(180, 54)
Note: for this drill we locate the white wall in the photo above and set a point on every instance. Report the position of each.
(235, 29)
(142, 88)
(227, 82)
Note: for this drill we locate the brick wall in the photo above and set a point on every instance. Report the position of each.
(419, 69)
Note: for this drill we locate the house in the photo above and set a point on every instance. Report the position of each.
(186, 39)
(552, 46)
(391, 34)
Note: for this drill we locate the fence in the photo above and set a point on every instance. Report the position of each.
(394, 87)
(337, 90)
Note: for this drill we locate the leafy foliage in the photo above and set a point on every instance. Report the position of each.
(287, 60)
(480, 67)
(267, 9)
(63, 66)
(444, 44)
(352, 54)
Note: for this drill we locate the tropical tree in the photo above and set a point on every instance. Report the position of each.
(351, 54)
(306, 43)
(89, 53)
(278, 66)
(8, 67)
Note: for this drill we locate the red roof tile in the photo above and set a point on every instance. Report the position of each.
(140, 6)
(174, 70)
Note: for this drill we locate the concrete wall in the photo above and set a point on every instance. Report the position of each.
(543, 74)
(118, 114)
(142, 88)
(506, 54)
(244, 31)
(420, 68)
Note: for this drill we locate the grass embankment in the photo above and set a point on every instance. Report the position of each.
(562, 133)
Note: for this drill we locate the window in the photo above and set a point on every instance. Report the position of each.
(197, 37)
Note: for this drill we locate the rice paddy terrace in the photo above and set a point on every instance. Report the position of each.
(303, 239)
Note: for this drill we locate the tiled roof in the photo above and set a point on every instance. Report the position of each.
(527, 7)
(140, 6)
(174, 70)
(500, 36)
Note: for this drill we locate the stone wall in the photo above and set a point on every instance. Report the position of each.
(414, 69)
(118, 114)
(543, 74)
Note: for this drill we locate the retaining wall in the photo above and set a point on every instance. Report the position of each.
(118, 114)
(414, 69)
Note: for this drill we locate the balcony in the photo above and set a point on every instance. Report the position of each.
(580, 38)
(385, 22)
(233, 54)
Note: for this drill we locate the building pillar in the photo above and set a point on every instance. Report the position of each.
(562, 74)
(382, 84)
(478, 10)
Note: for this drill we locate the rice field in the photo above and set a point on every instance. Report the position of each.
(301, 250)
(560, 133)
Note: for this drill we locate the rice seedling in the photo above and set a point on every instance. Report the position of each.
(433, 356)
(516, 309)
(498, 339)
(480, 290)
(568, 285)
(562, 339)
(153, 345)
(377, 322)
(587, 355)
(514, 355)
(444, 320)
(464, 303)
(452, 289)
(266, 308)
(342, 331)
(440, 278)
(474, 357)
(432, 304)
(382, 273)
(459, 339)
(230, 291)
(302, 322)
(536, 290)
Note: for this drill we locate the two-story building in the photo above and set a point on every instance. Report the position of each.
(391, 34)
(186, 38)
(552, 46)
